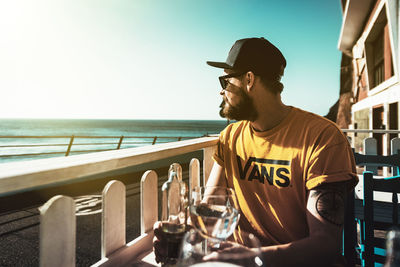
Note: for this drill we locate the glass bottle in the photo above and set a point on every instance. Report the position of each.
(393, 248)
(174, 212)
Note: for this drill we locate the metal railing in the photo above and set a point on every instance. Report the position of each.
(356, 137)
(31, 146)
(17, 147)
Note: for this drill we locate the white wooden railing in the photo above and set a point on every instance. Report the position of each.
(27, 175)
(57, 216)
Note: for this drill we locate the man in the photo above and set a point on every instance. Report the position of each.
(290, 168)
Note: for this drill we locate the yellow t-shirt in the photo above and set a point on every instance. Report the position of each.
(271, 171)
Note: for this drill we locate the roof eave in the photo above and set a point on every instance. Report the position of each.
(354, 16)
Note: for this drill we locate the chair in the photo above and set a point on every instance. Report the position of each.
(368, 220)
(376, 216)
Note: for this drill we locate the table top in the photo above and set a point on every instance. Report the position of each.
(214, 263)
(148, 261)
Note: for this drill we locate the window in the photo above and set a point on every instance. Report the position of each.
(378, 51)
(378, 60)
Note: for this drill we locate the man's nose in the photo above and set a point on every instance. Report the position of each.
(222, 92)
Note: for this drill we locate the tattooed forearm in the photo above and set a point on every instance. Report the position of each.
(329, 202)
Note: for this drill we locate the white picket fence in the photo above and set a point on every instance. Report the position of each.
(58, 221)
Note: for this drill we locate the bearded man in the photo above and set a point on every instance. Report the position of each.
(290, 168)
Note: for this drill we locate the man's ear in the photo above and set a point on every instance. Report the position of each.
(249, 80)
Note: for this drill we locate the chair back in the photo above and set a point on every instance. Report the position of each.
(370, 146)
(377, 160)
(377, 215)
(371, 214)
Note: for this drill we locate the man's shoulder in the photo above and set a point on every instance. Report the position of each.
(319, 130)
(312, 116)
(315, 122)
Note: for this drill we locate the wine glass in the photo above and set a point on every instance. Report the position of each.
(200, 250)
(214, 211)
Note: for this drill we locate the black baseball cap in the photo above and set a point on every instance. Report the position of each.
(254, 54)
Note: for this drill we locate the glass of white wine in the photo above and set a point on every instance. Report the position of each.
(214, 211)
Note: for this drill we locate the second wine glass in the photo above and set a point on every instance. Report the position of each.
(214, 211)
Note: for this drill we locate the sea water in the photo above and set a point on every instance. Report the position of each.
(145, 129)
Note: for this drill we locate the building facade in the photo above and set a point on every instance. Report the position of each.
(370, 88)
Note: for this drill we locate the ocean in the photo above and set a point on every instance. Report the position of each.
(135, 133)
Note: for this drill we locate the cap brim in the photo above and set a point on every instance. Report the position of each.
(221, 65)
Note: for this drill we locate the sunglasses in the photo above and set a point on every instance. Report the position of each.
(223, 79)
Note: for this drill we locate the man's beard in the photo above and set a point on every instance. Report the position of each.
(244, 110)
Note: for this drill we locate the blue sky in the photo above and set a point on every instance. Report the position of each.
(145, 59)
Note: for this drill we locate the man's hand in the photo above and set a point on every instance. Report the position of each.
(159, 243)
(235, 253)
(226, 250)
(167, 240)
